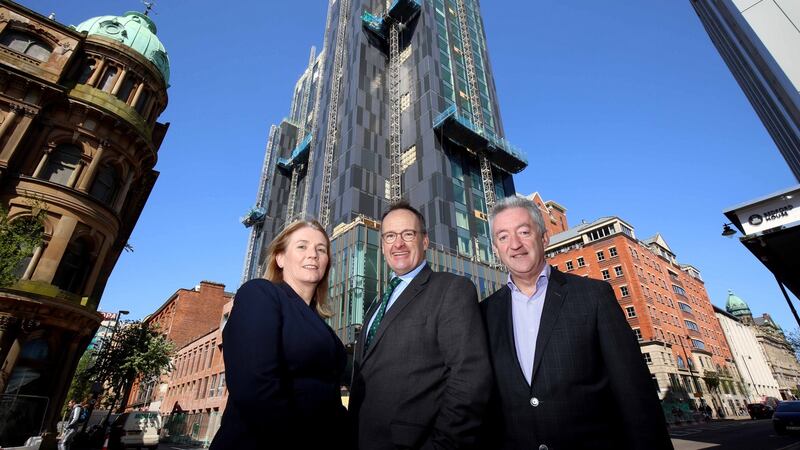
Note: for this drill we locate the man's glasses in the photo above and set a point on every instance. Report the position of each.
(406, 235)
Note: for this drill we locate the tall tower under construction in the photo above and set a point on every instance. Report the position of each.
(399, 103)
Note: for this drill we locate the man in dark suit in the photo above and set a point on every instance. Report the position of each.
(422, 373)
(568, 371)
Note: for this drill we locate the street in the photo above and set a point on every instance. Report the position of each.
(723, 435)
(739, 435)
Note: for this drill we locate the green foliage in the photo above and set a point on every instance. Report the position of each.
(712, 380)
(794, 340)
(136, 351)
(18, 239)
(80, 389)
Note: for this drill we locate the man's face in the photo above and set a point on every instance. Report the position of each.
(401, 255)
(519, 243)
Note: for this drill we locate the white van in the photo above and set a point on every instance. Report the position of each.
(135, 429)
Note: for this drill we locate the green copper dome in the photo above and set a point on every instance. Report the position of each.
(134, 30)
(737, 306)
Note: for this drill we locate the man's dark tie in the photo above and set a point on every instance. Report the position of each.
(381, 311)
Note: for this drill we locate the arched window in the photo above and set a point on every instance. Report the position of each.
(87, 69)
(62, 163)
(106, 184)
(128, 88)
(141, 105)
(26, 44)
(74, 267)
(109, 77)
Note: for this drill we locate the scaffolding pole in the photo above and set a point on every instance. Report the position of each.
(266, 172)
(315, 117)
(293, 192)
(395, 181)
(475, 102)
(333, 115)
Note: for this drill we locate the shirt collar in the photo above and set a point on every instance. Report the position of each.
(406, 278)
(543, 277)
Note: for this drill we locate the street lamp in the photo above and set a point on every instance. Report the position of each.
(727, 231)
(750, 374)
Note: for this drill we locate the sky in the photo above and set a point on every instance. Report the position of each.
(623, 107)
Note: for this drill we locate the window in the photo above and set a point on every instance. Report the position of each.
(691, 325)
(569, 265)
(638, 334)
(698, 344)
(618, 271)
(61, 163)
(647, 358)
(679, 290)
(127, 89)
(26, 44)
(605, 274)
(87, 70)
(73, 268)
(581, 262)
(109, 77)
(405, 101)
(630, 311)
(681, 364)
(221, 385)
(601, 232)
(624, 291)
(144, 98)
(212, 388)
(612, 251)
(601, 256)
(408, 158)
(104, 187)
(685, 308)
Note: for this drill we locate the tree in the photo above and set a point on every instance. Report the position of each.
(794, 340)
(81, 386)
(136, 351)
(18, 239)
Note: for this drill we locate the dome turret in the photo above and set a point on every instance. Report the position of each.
(135, 30)
(736, 306)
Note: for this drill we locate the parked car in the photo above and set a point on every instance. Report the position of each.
(760, 411)
(787, 417)
(135, 429)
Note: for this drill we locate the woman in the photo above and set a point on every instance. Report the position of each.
(283, 363)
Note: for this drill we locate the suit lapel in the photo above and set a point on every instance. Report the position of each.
(553, 301)
(414, 288)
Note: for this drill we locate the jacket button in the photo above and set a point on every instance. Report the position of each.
(535, 403)
(542, 447)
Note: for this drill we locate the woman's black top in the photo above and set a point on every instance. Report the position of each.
(283, 366)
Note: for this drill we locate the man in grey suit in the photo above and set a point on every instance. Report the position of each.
(568, 371)
(422, 375)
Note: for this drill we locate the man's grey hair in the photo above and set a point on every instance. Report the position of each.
(515, 201)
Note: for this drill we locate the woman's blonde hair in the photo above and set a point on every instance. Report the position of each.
(275, 273)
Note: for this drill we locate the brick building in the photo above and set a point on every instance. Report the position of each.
(664, 301)
(185, 316)
(197, 393)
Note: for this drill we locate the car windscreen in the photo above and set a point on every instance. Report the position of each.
(789, 407)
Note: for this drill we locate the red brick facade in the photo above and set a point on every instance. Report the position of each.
(665, 303)
(186, 316)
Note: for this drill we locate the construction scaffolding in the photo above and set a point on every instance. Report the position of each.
(255, 217)
(389, 27)
(475, 102)
(333, 114)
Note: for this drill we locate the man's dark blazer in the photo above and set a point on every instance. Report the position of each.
(283, 366)
(590, 386)
(425, 379)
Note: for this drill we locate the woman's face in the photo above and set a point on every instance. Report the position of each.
(305, 259)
